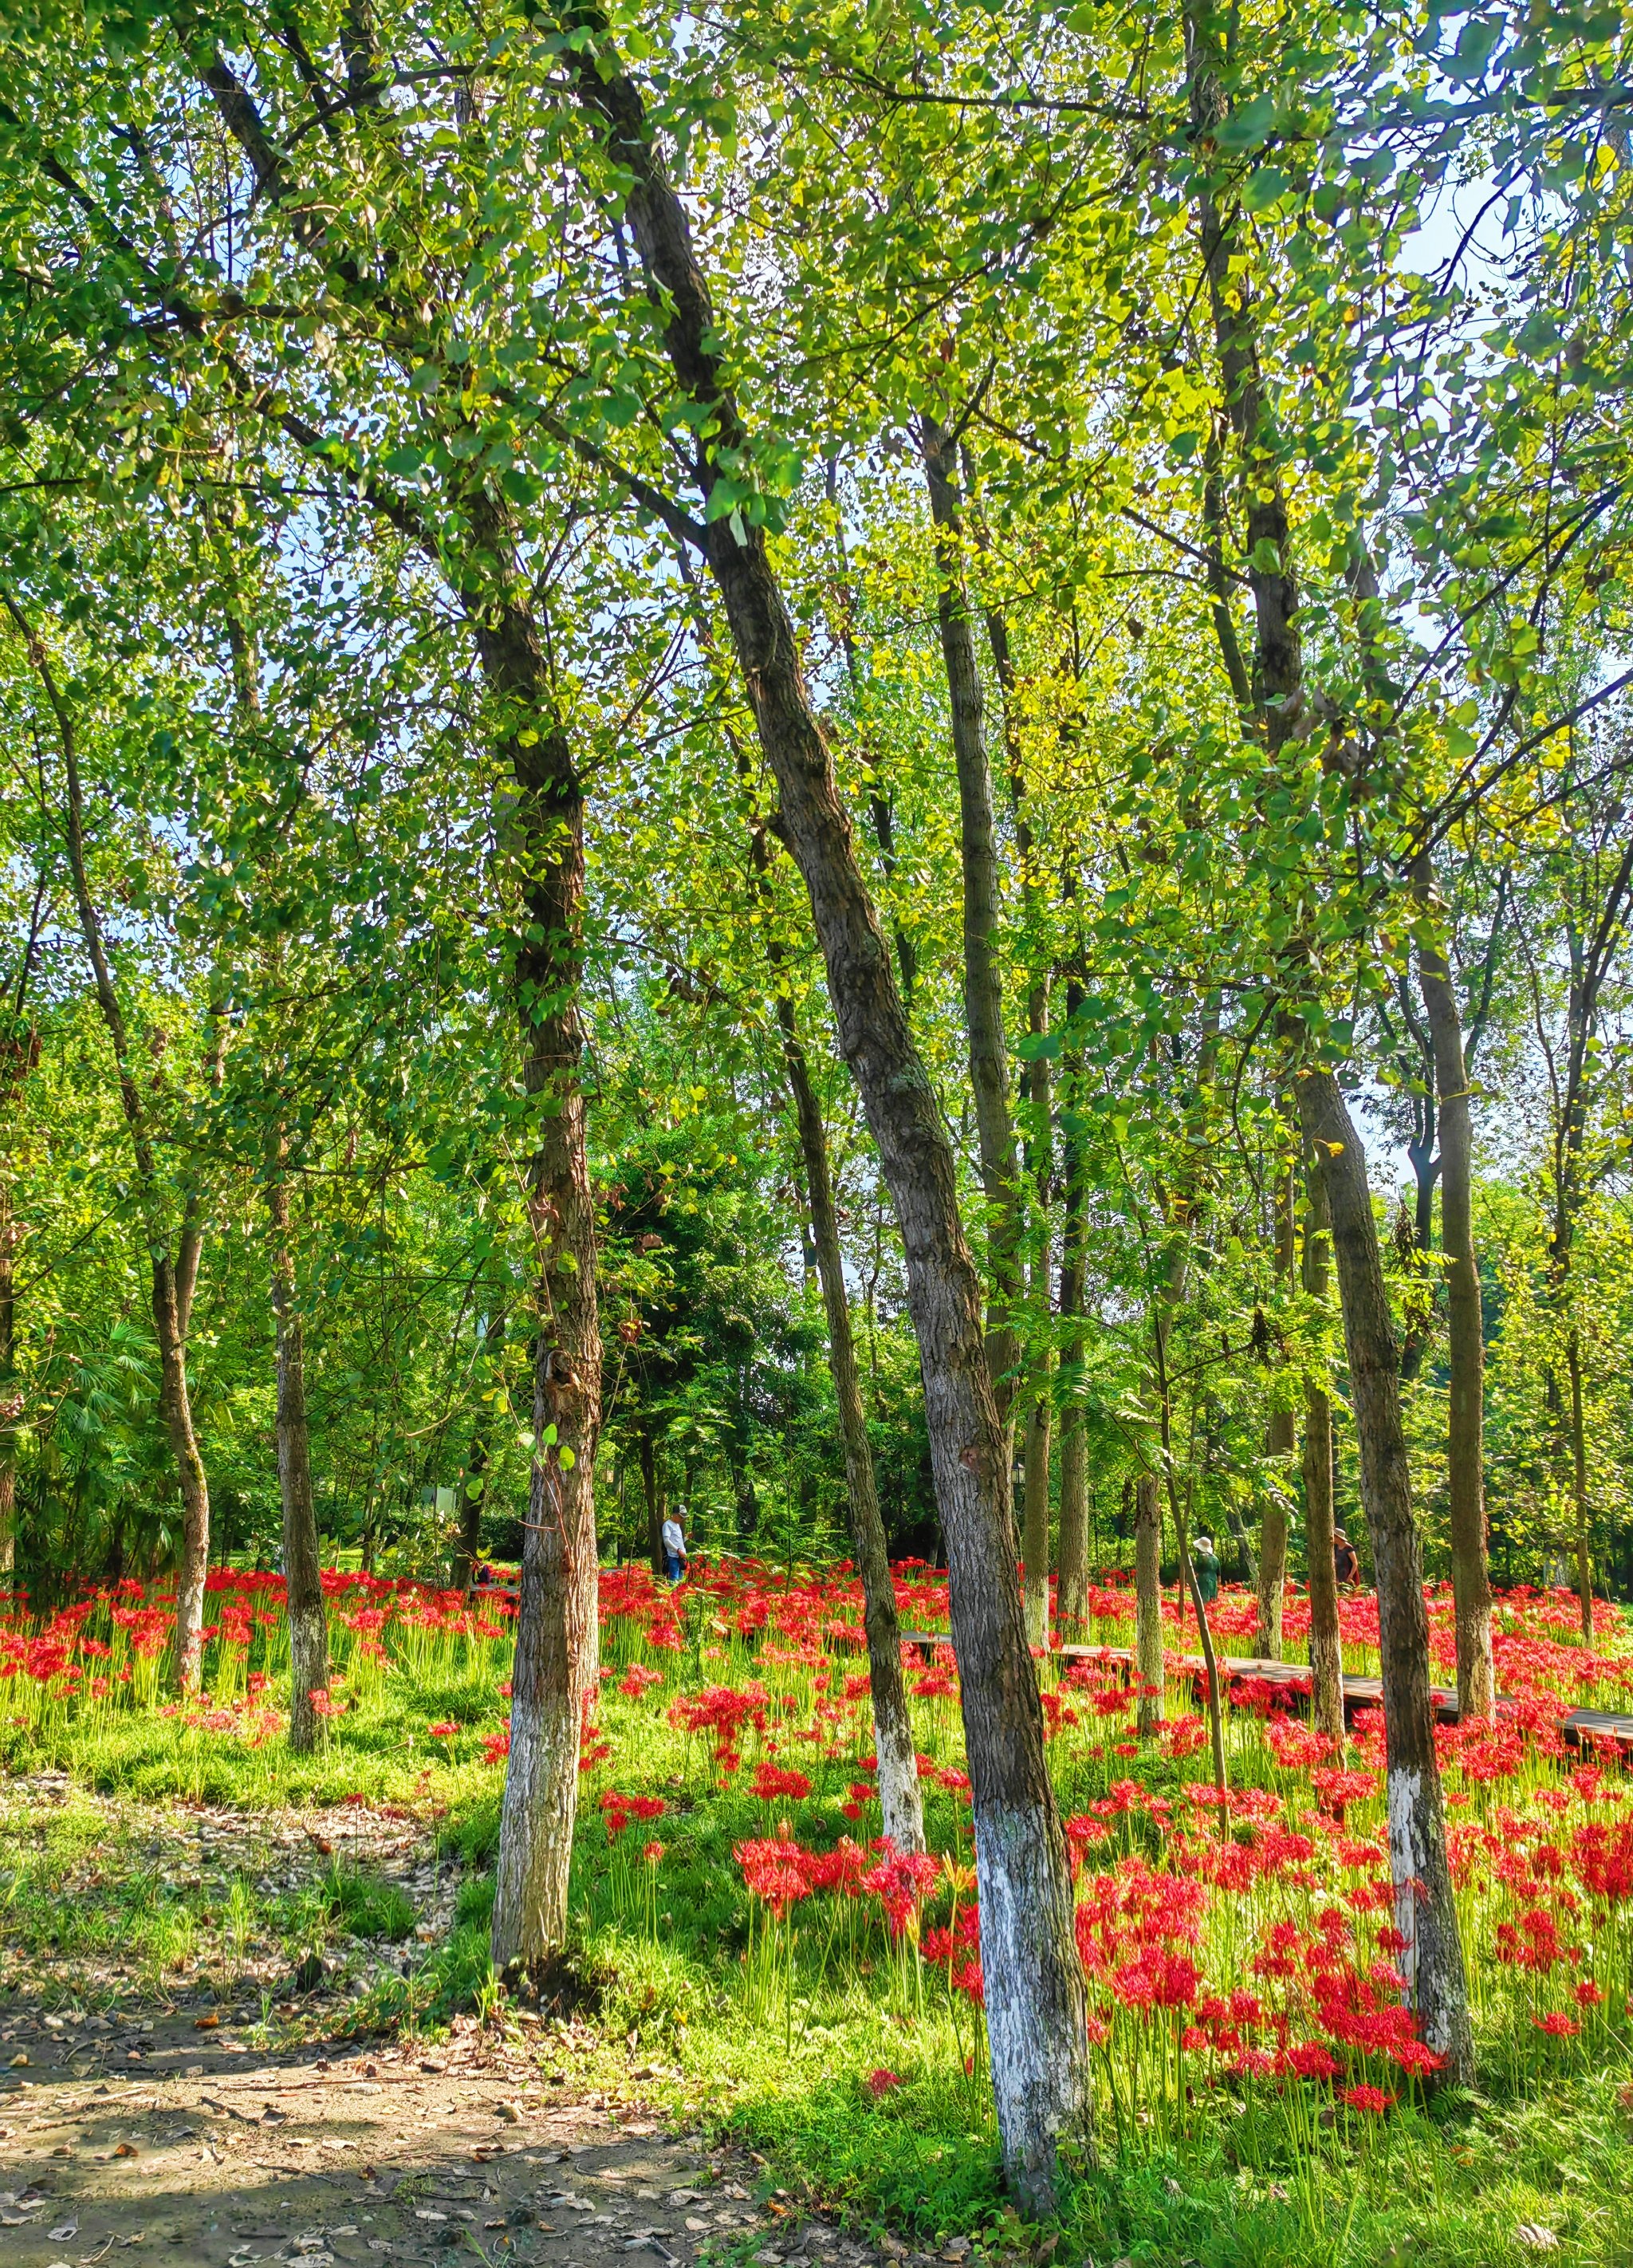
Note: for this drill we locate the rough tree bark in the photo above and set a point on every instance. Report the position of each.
(555, 1671)
(1425, 1910)
(898, 1795)
(984, 983)
(1072, 1590)
(1326, 1651)
(1034, 1991)
(1148, 1662)
(1282, 1435)
(1471, 1581)
(308, 1621)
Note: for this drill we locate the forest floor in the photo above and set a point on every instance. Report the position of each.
(236, 2121)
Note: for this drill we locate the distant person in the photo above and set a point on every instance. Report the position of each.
(674, 1546)
(1346, 1566)
(1205, 1562)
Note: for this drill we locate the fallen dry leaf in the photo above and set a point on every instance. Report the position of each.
(206, 2023)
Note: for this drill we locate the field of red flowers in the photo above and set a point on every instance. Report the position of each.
(1241, 1952)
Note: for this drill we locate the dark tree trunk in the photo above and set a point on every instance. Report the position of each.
(651, 1492)
(1325, 1650)
(1035, 1989)
(1072, 1592)
(1148, 1662)
(308, 1621)
(983, 984)
(557, 1637)
(1425, 1910)
(10, 1396)
(1283, 1436)
(1471, 1579)
(898, 1795)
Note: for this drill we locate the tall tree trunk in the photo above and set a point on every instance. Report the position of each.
(984, 983)
(472, 1498)
(1039, 1366)
(1148, 1662)
(1325, 1650)
(11, 1397)
(557, 1638)
(651, 1491)
(1582, 1529)
(1072, 1591)
(308, 1620)
(1425, 1910)
(1034, 1988)
(1282, 1435)
(899, 1799)
(1471, 1580)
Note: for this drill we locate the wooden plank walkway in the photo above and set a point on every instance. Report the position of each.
(1596, 1726)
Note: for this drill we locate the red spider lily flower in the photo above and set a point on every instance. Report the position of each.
(324, 1704)
(1372, 2100)
(652, 1853)
(971, 1983)
(495, 1747)
(774, 1869)
(882, 2082)
(1557, 2025)
(1587, 1994)
(900, 1880)
(1311, 2060)
(1418, 2059)
(771, 1783)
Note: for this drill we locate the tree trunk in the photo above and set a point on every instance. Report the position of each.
(984, 983)
(308, 1620)
(11, 1397)
(1036, 1516)
(898, 1795)
(1582, 1528)
(651, 1491)
(1072, 1590)
(1282, 1435)
(1035, 1989)
(472, 1496)
(1471, 1580)
(1148, 1663)
(175, 1409)
(557, 1637)
(1325, 1650)
(1425, 1911)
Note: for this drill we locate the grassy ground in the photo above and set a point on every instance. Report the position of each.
(122, 1888)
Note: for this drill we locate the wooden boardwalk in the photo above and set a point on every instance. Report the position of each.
(1594, 1727)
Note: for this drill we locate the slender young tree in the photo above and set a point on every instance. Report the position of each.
(1326, 1648)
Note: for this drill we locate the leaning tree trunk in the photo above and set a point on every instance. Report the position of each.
(557, 1637)
(1326, 1648)
(983, 985)
(1425, 1910)
(1033, 1980)
(899, 1796)
(1148, 1662)
(1282, 1438)
(1580, 1510)
(308, 1621)
(1034, 1535)
(1471, 1579)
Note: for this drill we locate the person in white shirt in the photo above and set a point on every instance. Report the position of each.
(674, 1546)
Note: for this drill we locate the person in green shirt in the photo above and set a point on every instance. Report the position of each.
(1205, 1560)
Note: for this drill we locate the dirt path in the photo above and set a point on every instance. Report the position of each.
(224, 2121)
(209, 2152)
